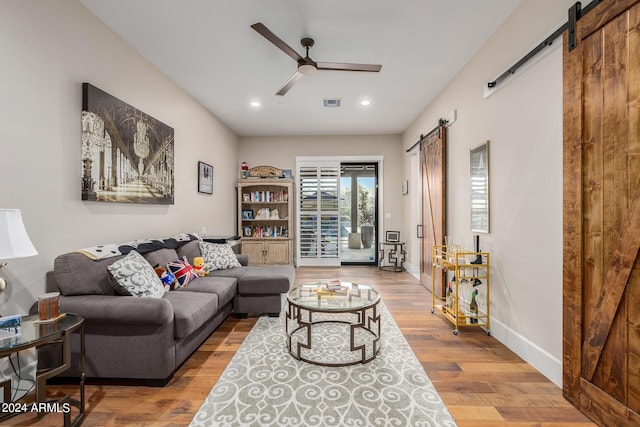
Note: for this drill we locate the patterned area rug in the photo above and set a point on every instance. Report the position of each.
(264, 385)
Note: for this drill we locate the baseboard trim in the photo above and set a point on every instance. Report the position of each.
(540, 359)
(414, 271)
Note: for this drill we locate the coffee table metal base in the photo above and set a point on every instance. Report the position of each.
(300, 323)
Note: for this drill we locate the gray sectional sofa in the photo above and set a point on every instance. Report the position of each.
(130, 337)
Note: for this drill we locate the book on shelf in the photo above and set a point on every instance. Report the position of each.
(265, 231)
(266, 196)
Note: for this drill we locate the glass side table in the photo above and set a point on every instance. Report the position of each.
(36, 334)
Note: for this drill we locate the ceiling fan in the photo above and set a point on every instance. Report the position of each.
(306, 65)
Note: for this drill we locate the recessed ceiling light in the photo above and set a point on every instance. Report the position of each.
(255, 104)
(365, 102)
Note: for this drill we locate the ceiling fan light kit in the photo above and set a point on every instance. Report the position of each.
(307, 69)
(306, 65)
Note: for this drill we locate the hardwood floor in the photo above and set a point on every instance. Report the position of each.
(482, 382)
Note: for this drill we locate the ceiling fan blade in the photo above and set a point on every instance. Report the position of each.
(277, 41)
(289, 84)
(338, 66)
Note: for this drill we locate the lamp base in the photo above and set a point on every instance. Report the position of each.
(3, 283)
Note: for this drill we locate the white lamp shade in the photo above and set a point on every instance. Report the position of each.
(14, 240)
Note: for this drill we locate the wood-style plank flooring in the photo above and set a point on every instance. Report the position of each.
(482, 382)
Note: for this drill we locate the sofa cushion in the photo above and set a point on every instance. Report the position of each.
(77, 274)
(182, 270)
(229, 272)
(218, 256)
(134, 276)
(161, 257)
(266, 280)
(224, 287)
(191, 310)
(190, 250)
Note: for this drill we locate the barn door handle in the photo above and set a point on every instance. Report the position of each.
(419, 231)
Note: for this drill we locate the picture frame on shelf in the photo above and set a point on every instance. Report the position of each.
(246, 197)
(205, 178)
(247, 214)
(392, 236)
(246, 231)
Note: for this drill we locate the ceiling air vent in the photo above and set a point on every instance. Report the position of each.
(331, 103)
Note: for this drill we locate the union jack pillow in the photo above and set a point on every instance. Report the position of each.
(182, 270)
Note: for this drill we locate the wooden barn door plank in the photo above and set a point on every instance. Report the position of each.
(572, 223)
(617, 193)
(633, 289)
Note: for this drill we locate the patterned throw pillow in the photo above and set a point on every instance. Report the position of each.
(182, 270)
(218, 256)
(135, 276)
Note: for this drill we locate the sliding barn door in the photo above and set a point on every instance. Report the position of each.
(432, 169)
(601, 277)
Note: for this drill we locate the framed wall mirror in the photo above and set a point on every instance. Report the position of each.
(480, 188)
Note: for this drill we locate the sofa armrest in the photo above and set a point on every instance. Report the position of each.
(243, 259)
(119, 309)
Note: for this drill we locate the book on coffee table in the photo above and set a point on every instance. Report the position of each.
(332, 287)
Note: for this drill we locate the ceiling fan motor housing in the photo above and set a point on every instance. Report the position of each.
(307, 66)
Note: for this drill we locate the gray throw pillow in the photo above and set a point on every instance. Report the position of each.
(135, 276)
(218, 256)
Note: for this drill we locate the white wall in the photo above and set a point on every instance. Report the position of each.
(523, 122)
(49, 48)
(281, 152)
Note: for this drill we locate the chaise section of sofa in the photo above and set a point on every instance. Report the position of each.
(260, 288)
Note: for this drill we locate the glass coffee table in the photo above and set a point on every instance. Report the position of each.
(333, 327)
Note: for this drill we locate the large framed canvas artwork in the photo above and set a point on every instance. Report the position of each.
(127, 155)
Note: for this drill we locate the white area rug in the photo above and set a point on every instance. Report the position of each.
(264, 385)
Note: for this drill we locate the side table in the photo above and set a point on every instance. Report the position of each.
(36, 334)
(392, 256)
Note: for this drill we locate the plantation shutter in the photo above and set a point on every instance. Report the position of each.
(318, 239)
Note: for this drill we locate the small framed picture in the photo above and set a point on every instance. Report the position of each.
(246, 198)
(246, 231)
(286, 173)
(392, 236)
(205, 178)
(247, 214)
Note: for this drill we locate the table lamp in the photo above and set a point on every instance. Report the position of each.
(14, 240)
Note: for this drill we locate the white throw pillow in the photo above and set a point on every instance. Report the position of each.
(218, 256)
(135, 276)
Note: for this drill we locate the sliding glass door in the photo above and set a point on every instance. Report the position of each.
(358, 213)
(337, 211)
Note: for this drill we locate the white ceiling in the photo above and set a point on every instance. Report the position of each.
(208, 48)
